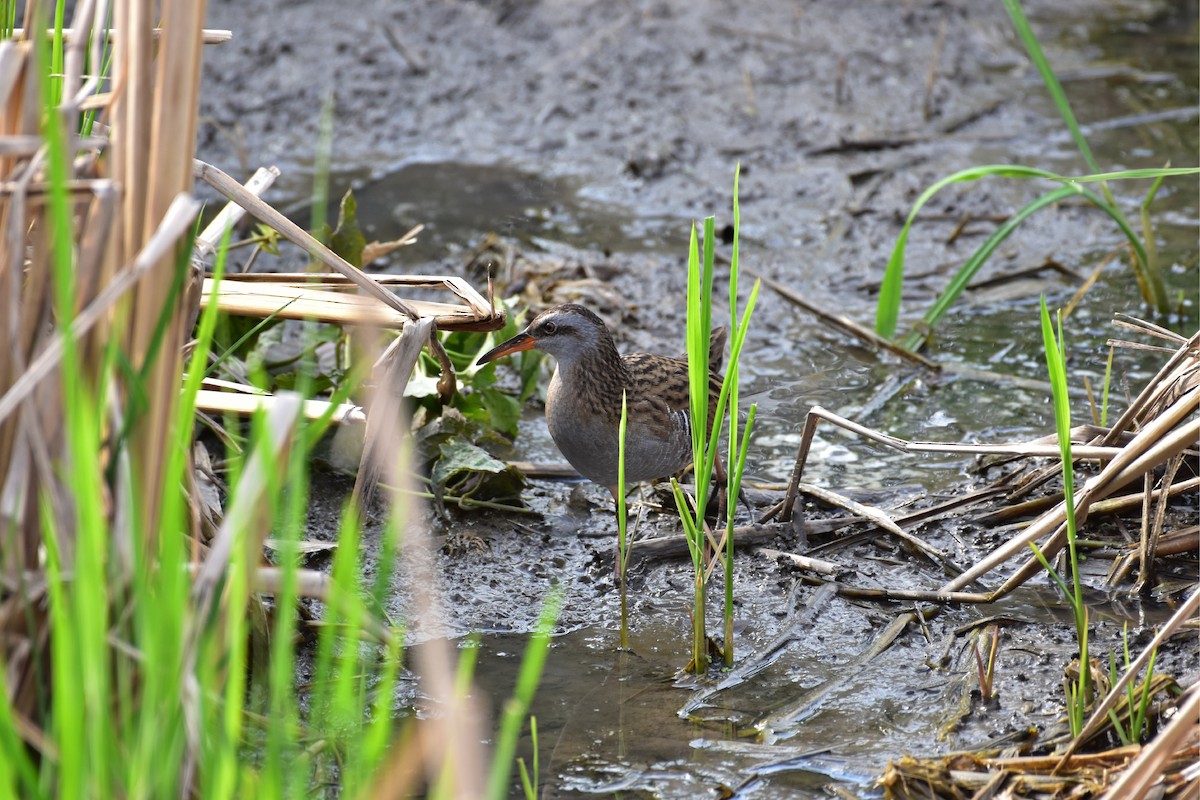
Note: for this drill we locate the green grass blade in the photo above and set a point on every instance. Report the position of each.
(516, 710)
(81, 717)
(699, 327)
(697, 372)
(1138, 720)
(1025, 33)
(245, 337)
(737, 469)
(890, 293)
(1056, 365)
(622, 522)
(17, 775)
(887, 311)
(729, 385)
(1157, 173)
(691, 533)
(733, 253)
(1046, 565)
(963, 276)
(621, 509)
(968, 270)
(529, 784)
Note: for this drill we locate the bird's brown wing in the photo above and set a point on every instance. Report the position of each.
(660, 386)
(716, 350)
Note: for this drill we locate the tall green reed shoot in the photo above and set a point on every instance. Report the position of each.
(76, 537)
(704, 442)
(1078, 693)
(699, 328)
(516, 710)
(738, 443)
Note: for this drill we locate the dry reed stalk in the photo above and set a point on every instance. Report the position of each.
(245, 404)
(962, 775)
(130, 212)
(167, 135)
(100, 36)
(322, 301)
(297, 235)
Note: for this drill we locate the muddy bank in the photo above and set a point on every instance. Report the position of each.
(839, 114)
(589, 135)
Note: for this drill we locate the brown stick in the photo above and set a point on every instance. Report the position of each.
(847, 325)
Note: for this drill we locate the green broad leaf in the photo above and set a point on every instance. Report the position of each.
(492, 441)
(421, 385)
(503, 409)
(449, 424)
(466, 470)
(529, 370)
(458, 456)
(484, 376)
(347, 238)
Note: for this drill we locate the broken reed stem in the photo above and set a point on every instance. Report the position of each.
(298, 236)
(207, 35)
(228, 217)
(817, 413)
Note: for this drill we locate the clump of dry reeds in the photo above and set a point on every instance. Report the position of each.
(123, 143)
(131, 610)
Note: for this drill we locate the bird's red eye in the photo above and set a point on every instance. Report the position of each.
(550, 329)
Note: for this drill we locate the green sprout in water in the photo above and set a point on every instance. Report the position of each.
(1079, 692)
(705, 441)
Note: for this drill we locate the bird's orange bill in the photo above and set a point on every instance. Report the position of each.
(522, 341)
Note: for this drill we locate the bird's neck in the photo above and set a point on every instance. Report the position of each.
(598, 375)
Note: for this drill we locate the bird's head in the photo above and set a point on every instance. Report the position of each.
(568, 332)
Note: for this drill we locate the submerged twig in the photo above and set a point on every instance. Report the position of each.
(847, 325)
(883, 521)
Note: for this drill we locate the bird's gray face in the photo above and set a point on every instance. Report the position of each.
(566, 332)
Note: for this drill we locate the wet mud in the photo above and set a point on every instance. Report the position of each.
(587, 136)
